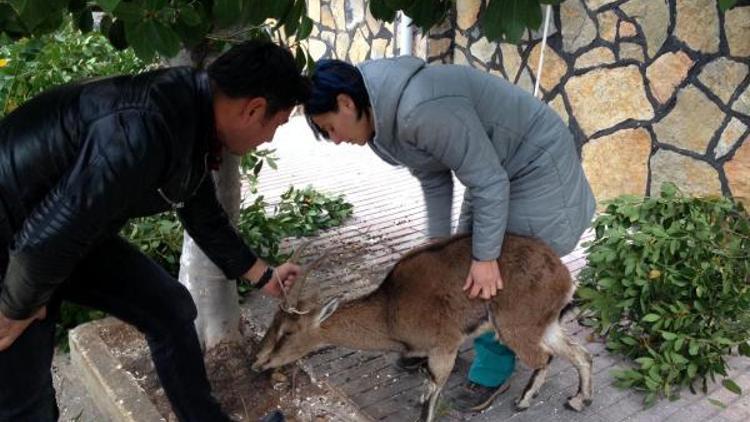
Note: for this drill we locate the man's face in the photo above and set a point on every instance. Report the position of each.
(245, 126)
(344, 125)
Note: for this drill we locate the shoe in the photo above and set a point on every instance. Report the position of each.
(472, 397)
(275, 416)
(411, 364)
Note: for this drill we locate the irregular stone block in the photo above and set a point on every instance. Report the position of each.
(608, 25)
(653, 17)
(737, 170)
(734, 130)
(467, 12)
(692, 122)
(578, 30)
(627, 29)
(693, 177)
(558, 105)
(698, 25)
(553, 68)
(737, 29)
(742, 105)
(483, 50)
(617, 164)
(629, 50)
(595, 57)
(722, 76)
(603, 98)
(666, 73)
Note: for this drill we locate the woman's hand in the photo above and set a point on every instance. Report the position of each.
(484, 279)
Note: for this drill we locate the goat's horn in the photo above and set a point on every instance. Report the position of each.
(298, 252)
(296, 291)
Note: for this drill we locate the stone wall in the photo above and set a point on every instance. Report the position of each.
(654, 90)
(345, 29)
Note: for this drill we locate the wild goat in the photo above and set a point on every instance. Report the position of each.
(421, 310)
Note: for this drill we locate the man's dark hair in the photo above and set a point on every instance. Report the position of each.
(331, 78)
(260, 69)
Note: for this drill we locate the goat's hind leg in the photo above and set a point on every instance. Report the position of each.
(532, 387)
(562, 345)
(439, 368)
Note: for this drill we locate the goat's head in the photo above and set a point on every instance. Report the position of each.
(295, 329)
(293, 335)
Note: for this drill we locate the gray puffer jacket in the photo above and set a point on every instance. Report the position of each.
(514, 154)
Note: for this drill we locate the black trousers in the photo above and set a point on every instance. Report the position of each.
(117, 279)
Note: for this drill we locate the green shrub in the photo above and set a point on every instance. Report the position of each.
(667, 282)
(300, 212)
(30, 66)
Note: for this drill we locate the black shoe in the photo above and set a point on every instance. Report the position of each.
(472, 397)
(275, 416)
(411, 364)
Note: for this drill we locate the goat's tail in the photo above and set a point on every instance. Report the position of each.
(567, 308)
(570, 302)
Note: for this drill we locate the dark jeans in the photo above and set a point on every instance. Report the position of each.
(117, 279)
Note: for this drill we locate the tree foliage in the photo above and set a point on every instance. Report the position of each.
(501, 20)
(668, 282)
(163, 27)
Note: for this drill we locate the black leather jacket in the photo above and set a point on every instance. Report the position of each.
(80, 160)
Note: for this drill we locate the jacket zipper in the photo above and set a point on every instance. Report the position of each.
(180, 204)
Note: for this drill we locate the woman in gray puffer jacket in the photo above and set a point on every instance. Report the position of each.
(515, 156)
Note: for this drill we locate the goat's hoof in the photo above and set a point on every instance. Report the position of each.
(577, 403)
(520, 406)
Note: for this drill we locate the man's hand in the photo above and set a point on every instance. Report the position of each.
(483, 280)
(285, 274)
(10, 329)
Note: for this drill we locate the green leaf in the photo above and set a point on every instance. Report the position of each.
(292, 20)
(300, 58)
(305, 28)
(108, 5)
(651, 317)
(381, 11)
(507, 19)
(116, 35)
(731, 386)
(427, 13)
(18, 5)
(693, 349)
(399, 4)
(226, 12)
(692, 370)
(189, 16)
(717, 403)
(725, 5)
(139, 40)
(164, 40)
(678, 343)
(129, 12)
(84, 21)
(629, 341)
(645, 362)
(668, 336)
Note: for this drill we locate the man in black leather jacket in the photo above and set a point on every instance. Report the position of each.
(80, 160)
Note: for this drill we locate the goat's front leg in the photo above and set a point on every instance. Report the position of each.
(439, 367)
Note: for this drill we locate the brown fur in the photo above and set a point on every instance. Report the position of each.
(421, 310)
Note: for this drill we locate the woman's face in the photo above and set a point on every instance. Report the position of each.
(344, 125)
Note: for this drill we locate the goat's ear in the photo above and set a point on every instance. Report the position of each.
(327, 310)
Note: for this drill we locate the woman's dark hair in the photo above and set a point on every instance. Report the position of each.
(329, 79)
(260, 69)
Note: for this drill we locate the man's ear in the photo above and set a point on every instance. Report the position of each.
(254, 109)
(345, 102)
